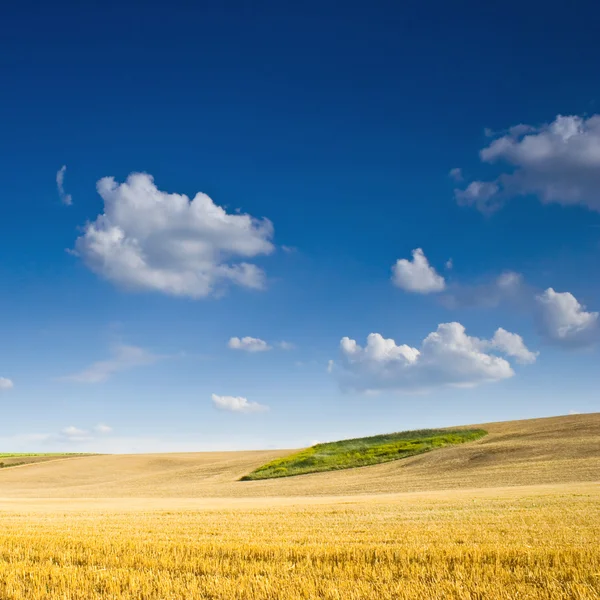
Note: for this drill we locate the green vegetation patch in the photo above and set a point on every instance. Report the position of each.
(30, 457)
(361, 452)
(27, 454)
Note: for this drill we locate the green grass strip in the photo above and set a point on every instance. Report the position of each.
(360, 452)
(23, 454)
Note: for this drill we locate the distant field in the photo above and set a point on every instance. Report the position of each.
(527, 543)
(536, 451)
(15, 459)
(361, 452)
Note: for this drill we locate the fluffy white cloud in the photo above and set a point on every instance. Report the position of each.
(148, 239)
(248, 344)
(417, 275)
(563, 320)
(6, 384)
(512, 345)
(446, 357)
(237, 404)
(60, 186)
(123, 358)
(557, 162)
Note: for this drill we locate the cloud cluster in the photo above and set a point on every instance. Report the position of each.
(6, 384)
(237, 404)
(148, 239)
(561, 319)
(60, 186)
(557, 162)
(123, 358)
(446, 357)
(417, 275)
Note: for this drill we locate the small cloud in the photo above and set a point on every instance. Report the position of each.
(6, 384)
(248, 344)
(123, 358)
(484, 195)
(285, 345)
(456, 174)
(449, 264)
(417, 275)
(74, 434)
(60, 179)
(102, 428)
(289, 249)
(330, 365)
(574, 412)
(237, 404)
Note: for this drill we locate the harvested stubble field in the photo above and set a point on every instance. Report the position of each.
(327, 540)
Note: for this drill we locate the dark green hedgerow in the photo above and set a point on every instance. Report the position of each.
(361, 452)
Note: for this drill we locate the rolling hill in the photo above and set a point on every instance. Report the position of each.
(537, 451)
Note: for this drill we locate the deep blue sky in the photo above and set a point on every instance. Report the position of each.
(338, 124)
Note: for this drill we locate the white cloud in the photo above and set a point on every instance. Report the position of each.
(558, 162)
(6, 384)
(512, 345)
(248, 344)
(251, 344)
(60, 181)
(237, 404)
(481, 194)
(449, 264)
(456, 174)
(564, 321)
(102, 428)
(283, 345)
(123, 358)
(417, 276)
(446, 357)
(148, 239)
(74, 434)
(330, 366)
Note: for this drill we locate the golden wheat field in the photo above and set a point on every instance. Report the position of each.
(455, 540)
(530, 543)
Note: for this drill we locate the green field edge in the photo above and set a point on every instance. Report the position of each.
(363, 452)
(49, 455)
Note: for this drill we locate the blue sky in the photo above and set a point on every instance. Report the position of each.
(326, 146)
